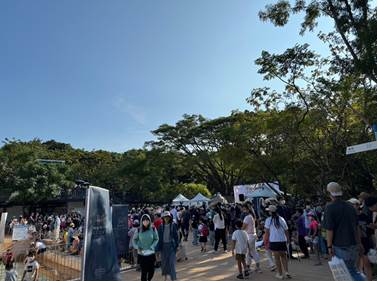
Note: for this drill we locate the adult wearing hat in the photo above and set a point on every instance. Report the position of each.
(341, 224)
(167, 245)
(366, 233)
(276, 230)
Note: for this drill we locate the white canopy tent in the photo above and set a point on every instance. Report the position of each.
(180, 200)
(258, 190)
(199, 199)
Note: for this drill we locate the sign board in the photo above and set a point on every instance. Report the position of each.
(375, 130)
(20, 232)
(100, 261)
(2, 226)
(120, 228)
(361, 147)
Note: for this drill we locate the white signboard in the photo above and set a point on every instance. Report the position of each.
(20, 232)
(2, 226)
(361, 147)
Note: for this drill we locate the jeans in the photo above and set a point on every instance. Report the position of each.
(349, 256)
(195, 235)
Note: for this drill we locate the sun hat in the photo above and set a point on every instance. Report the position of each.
(271, 208)
(335, 189)
(166, 214)
(354, 201)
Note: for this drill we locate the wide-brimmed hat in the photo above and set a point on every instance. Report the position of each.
(271, 208)
(166, 214)
(354, 201)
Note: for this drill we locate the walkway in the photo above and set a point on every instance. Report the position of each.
(220, 266)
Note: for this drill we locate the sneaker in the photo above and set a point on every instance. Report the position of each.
(279, 276)
(287, 275)
(273, 268)
(240, 276)
(247, 273)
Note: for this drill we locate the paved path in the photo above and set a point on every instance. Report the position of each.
(220, 266)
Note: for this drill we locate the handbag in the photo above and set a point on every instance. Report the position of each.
(339, 270)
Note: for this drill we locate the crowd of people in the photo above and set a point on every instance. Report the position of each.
(285, 230)
(292, 229)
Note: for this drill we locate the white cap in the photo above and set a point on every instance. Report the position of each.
(335, 189)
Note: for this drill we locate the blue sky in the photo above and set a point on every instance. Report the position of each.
(103, 74)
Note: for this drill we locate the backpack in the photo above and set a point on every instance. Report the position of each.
(205, 231)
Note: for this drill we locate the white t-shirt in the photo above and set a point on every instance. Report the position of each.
(277, 234)
(218, 222)
(240, 236)
(249, 220)
(31, 270)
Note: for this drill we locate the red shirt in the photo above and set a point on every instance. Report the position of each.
(157, 223)
(313, 226)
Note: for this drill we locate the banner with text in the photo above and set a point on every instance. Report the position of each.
(100, 261)
(20, 232)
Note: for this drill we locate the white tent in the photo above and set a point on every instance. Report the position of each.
(199, 199)
(256, 191)
(180, 200)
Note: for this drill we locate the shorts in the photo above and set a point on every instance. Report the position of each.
(278, 246)
(203, 239)
(240, 257)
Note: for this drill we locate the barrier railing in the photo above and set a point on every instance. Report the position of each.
(56, 265)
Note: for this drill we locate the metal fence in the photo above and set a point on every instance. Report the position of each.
(56, 265)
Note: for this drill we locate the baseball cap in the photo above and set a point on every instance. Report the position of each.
(335, 189)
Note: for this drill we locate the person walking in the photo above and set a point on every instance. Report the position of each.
(249, 227)
(301, 229)
(277, 230)
(240, 246)
(203, 235)
(340, 221)
(145, 241)
(167, 245)
(220, 232)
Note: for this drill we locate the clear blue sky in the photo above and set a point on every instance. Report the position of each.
(103, 74)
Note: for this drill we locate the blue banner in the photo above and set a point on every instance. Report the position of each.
(120, 228)
(100, 261)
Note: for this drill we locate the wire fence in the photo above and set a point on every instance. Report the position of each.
(56, 265)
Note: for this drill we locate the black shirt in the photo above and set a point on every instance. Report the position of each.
(341, 217)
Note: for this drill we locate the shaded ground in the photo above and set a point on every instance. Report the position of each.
(220, 266)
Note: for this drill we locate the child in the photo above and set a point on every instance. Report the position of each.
(240, 244)
(10, 272)
(31, 271)
(203, 234)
